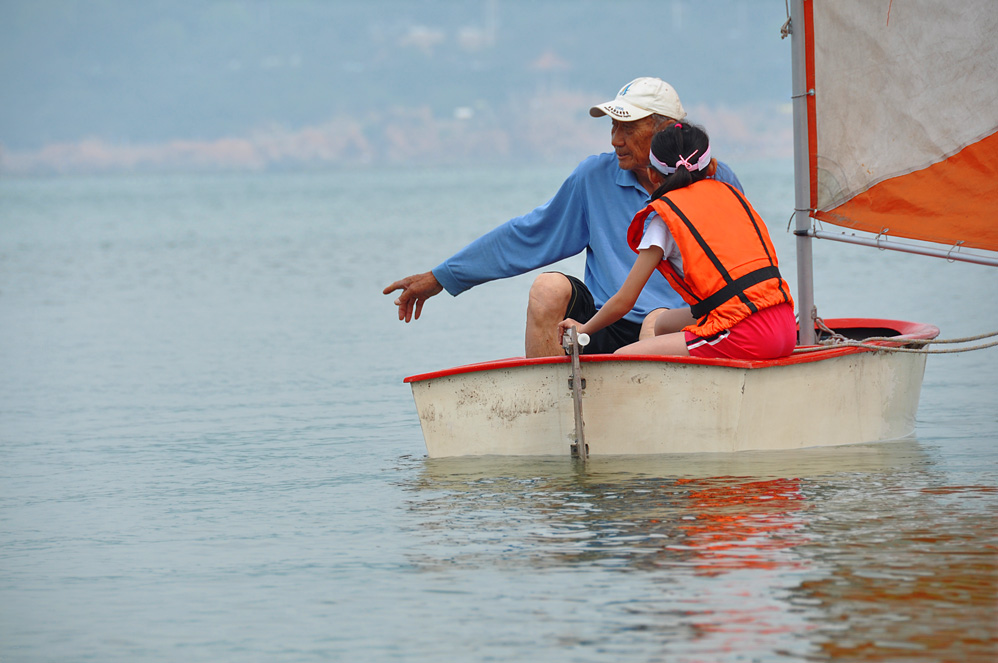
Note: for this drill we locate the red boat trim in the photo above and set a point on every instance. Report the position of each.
(905, 330)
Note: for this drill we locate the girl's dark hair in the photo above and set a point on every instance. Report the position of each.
(679, 140)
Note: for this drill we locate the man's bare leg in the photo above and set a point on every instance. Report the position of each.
(648, 324)
(549, 297)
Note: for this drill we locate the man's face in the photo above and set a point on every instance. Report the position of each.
(632, 141)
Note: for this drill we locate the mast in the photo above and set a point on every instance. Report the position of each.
(802, 175)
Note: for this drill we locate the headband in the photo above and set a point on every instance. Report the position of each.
(665, 169)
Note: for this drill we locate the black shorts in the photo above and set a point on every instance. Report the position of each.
(581, 308)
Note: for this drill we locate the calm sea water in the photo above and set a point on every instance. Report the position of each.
(207, 452)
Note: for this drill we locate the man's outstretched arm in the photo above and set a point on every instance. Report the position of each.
(416, 289)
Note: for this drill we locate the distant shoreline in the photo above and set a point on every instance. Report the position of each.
(405, 138)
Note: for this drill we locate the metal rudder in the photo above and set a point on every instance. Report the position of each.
(572, 341)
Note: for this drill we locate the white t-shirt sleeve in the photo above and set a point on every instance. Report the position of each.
(657, 234)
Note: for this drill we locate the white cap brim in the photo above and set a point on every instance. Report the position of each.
(620, 110)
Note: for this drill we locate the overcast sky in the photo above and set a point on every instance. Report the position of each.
(262, 81)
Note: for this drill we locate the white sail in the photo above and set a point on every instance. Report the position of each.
(903, 119)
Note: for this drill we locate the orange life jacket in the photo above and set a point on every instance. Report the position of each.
(729, 264)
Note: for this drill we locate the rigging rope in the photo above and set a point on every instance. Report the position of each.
(838, 340)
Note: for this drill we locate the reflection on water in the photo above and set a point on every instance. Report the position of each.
(857, 553)
(740, 525)
(908, 577)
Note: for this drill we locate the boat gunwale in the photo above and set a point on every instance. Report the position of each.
(907, 331)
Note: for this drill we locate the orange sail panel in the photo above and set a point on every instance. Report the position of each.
(952, 201)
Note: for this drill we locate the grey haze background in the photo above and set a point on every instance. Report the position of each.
(119, 84)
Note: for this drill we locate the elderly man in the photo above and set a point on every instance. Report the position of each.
(591, 211)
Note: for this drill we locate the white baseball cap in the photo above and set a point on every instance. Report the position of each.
(640, 98)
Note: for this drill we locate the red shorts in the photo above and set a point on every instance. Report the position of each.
(766, 334)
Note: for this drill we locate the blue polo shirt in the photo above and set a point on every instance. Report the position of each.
(590, 212)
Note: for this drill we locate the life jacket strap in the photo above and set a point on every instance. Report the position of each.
(734, 289)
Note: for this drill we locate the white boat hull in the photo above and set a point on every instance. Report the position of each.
(663, 405)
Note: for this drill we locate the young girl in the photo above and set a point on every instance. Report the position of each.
(714, 250)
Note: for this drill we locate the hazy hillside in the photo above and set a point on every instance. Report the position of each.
(124, 73)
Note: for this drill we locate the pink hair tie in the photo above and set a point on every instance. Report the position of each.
(686, 162)
(666, 169)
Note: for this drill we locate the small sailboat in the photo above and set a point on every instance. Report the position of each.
(896, 138)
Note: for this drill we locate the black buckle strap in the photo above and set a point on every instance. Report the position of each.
(733, 289)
